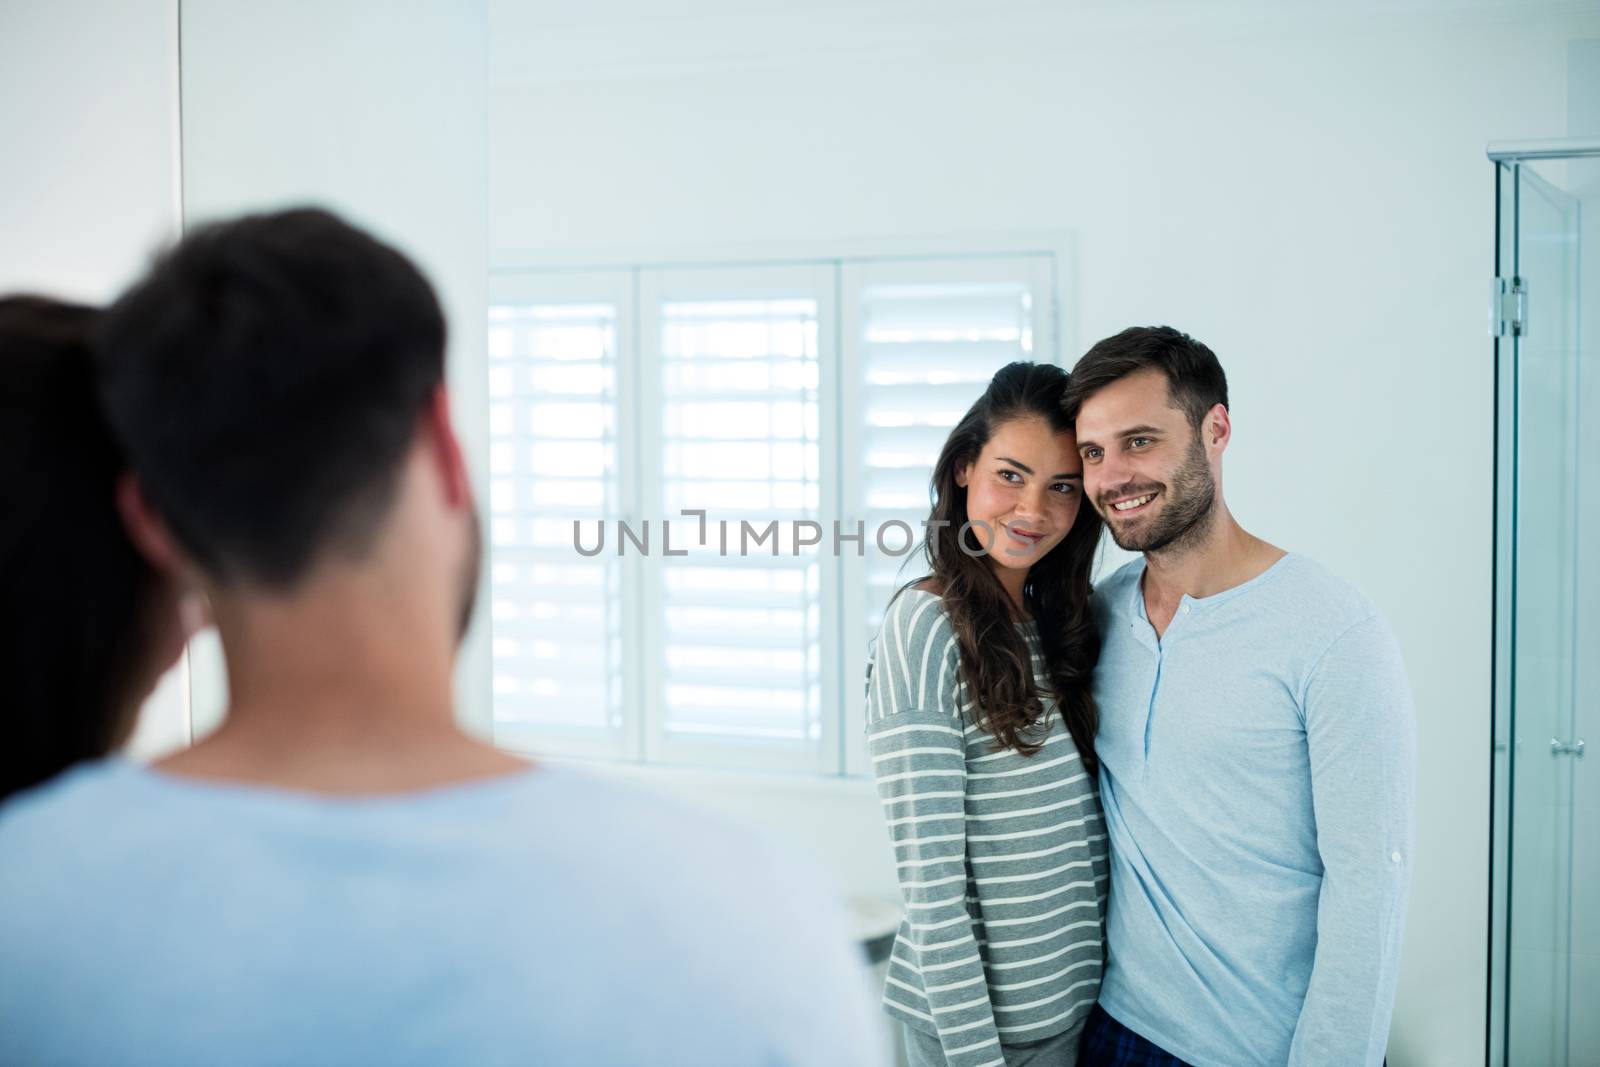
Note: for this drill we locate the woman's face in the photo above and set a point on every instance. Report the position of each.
(1023, 491)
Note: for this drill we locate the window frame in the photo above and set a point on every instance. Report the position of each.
(637, 282)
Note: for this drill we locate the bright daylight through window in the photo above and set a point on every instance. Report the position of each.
(706, 483)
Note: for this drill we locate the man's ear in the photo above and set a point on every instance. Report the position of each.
(1218, 429)
(452, 465)
(149, 533)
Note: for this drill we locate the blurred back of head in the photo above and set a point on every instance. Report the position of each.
(267, 378)
(87, 624)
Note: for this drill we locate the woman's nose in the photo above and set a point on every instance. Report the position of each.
(1031, 505)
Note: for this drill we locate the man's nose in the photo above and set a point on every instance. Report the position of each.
(1111, 472)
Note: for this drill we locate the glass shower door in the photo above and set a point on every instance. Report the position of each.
(1544, 899)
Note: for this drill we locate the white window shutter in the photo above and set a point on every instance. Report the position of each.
(921, 340)
(736, 635)
(558, 349)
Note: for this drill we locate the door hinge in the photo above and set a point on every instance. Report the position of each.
(1508, 307)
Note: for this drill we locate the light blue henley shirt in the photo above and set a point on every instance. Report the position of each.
(1256, 775)
(545, 917)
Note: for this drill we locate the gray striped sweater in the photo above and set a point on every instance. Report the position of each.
(1001, 857)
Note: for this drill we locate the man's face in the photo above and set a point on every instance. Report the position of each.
(1145, 468)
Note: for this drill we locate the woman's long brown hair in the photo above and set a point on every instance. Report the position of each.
(994, 655)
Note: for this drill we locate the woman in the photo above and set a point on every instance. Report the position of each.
(89, 627)
(981, 727)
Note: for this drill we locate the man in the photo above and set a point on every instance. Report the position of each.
(1255, 745)
(338, 874)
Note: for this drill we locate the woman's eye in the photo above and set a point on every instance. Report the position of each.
(1009, 475)
(1065, 488)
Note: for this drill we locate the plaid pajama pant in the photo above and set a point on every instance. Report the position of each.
(1107, 1043)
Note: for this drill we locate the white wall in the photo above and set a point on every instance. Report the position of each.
(376, 111)
(1303, 188)
(88, 118)
(380, 116)
(89, 185)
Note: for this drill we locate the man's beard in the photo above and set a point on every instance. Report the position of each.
(471, 572)
(1185, 516)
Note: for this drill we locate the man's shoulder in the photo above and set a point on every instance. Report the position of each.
(624, 805)
(705, 866)
(654, 824)
(1321, 596)
(1310, 611)
(697, 875)
(79, 829)
(1113, 593)
(81, 795)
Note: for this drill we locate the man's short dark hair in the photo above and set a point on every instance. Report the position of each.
(266, 378)
(1195, 382)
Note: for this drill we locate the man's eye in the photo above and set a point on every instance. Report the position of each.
(1091, 453)
(1140, 442)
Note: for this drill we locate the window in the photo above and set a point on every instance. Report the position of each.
(706, 482)
(555, 445)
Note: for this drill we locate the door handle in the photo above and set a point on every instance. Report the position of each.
(1560, 748)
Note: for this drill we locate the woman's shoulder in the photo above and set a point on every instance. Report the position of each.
(913, 659)
(916, 616)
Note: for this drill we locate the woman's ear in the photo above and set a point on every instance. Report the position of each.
(963, 474)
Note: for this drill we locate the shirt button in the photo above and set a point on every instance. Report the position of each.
(1394, 857)
(1186, 609)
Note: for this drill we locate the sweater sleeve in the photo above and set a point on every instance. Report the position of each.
(918, 749)
(1359, 734)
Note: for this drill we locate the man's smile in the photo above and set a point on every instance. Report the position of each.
(1131, 504)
